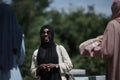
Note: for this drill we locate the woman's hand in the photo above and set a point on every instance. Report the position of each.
(42, 66)
(50, 66)
(46, 67)
(100, 37)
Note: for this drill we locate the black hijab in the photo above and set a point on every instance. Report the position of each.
(47, 50)
(10, 37)
(47, 54)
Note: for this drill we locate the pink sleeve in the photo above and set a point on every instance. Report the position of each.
(91, 47)
(108, 41)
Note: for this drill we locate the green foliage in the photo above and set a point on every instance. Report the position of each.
(71, 29)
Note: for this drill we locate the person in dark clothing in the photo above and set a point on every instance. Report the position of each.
(50, 61)
(12, 49)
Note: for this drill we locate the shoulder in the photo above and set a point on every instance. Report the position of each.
(35, 52)
(7, 9)
(61, 46)
(111, 24)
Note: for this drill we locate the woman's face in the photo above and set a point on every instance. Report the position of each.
(46, 35)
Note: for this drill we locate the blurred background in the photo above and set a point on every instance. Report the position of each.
(74, 22)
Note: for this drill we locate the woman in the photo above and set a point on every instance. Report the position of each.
(12, 49)
(50, 61)
(109, 45)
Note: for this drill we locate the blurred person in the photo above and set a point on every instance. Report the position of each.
(12, 48)
(51, 61)
(109, 45)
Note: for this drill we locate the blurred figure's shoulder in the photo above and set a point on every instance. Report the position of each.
(35, 52)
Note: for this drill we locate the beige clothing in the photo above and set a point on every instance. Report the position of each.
(109, 49)
(65, 63)
(91, 47)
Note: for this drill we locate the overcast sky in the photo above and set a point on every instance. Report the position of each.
(101, 6)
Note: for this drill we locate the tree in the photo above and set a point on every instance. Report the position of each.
(71, 29)
(27, 12)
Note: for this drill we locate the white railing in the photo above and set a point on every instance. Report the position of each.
(99, 77)
(79, 74)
